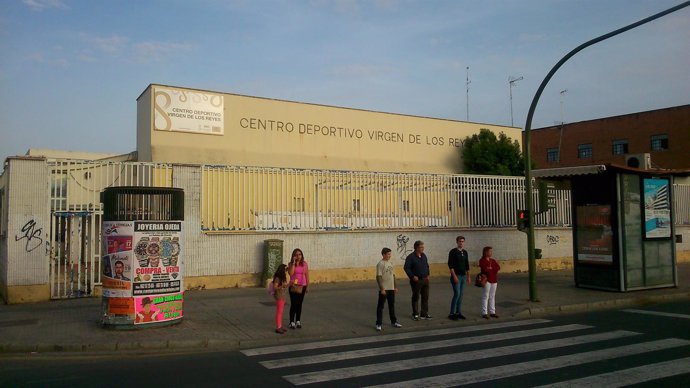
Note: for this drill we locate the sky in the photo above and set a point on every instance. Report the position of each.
(71, 70)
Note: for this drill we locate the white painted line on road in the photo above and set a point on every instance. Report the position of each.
(349, 355)
(534, 366)
(626, 377)
(365, 340)
(422, 362)
(662, 314)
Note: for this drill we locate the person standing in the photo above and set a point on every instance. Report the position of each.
(489, 266)
(280, 284)
(385, 277)
(299, 280)
(459, 266)
(417, 269)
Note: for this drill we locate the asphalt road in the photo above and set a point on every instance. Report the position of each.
(648, 346)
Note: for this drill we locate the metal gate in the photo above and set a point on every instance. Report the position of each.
(76, 211)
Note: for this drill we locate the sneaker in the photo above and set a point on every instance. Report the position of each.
(378, 328)
(292, 325)
(494, 315)
(427, 316)
(461, 316)
(485, 316)
(281, 331)
(415, 317)
(453, 317)
(397, 324)
(299, 324)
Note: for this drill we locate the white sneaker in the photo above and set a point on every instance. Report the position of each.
(292, 325)
(397, 324)
(378, 328)
(299, 324)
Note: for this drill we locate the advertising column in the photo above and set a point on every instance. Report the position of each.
(157, 271)
(142, 269)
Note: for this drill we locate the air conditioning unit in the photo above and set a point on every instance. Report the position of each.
(641, 161)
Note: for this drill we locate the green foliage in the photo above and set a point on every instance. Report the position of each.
(486, 154)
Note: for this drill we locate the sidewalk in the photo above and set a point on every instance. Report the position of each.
(242, 318)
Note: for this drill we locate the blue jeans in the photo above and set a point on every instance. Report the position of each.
(458, 289)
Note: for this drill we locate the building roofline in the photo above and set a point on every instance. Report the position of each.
(323, 105)
(612, 117)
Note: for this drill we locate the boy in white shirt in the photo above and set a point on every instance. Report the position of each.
(385, 277)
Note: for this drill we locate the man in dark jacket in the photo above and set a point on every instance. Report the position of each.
(417, 269)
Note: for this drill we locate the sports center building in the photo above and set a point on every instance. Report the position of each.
(338, 183)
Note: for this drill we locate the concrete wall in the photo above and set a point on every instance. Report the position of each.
(24, 260)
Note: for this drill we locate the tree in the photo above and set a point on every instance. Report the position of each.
(486, 154)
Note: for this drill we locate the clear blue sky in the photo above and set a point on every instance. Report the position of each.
(70, 71)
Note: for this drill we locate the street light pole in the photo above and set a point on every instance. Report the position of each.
(531, 261)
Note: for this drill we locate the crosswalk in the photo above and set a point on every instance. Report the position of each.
(479, 354)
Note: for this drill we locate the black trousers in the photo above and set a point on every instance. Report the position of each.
(420, 287)
(296, 300)
(390, 297)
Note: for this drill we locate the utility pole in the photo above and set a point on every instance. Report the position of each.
(467, 91)
(563, 92)
(511, 82)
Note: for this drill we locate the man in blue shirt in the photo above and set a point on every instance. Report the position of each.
(417, 269)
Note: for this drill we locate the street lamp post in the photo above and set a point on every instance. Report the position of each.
(531, 261)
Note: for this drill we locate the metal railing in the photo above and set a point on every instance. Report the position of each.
(253, 198)
(76, 214)
(681, 204)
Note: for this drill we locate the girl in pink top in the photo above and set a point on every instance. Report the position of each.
(299, 280)
(489, 266)
(280, 284)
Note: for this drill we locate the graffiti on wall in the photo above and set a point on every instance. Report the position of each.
(402, 241)
(32, 234)
(555, 239)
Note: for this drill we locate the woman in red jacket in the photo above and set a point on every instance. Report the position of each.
(490, 268)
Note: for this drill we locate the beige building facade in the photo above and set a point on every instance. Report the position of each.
(191, 126)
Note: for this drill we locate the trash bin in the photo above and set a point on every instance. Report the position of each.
(142, 265)
(273, 257)
(537, 253)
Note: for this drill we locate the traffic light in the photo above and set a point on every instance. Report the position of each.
(522, 220)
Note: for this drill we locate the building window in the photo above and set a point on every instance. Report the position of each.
(620, 147)
(659, 142)
(298, 204)
(552, 155)
(584, 151)
(355, 205)
(406, 205)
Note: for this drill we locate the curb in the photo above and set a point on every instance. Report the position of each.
(600, 305)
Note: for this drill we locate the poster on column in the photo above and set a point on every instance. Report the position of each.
(657, 208)
(117, 261)
(158, 271)
(158, 308)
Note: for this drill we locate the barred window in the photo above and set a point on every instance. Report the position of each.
(620, 147)
(584, 151)
(552, 155)
(659, 142)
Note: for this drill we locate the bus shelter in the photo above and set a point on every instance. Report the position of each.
(623, 225)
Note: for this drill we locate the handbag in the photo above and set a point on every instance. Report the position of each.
(480, 280)
(296, 289)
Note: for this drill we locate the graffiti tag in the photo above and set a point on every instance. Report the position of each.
(552, 240)
(32, 236)
(402, 241)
